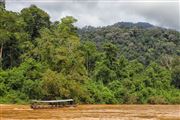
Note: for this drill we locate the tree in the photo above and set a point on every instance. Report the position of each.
(176, 72)
(157, 77)
(12, 33)
(121, 68)
(35, 19)
(56, 85)
(103, 73)
(91, 55)
(2, 4)
(60, 49)
(24, 79)
(172, 63)
(110, 51)
(4, 37)
(114, 64)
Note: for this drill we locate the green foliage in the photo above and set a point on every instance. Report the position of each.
(57, 85)
(143, 44)
(91, 55)
(2, 4)
(35, 19)
(3, 89)
(12, 33)
(23, 79)
(14, 97)
(100, 93)
(176, 71)
(123, 65)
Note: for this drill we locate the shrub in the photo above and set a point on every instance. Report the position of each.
(156, 100)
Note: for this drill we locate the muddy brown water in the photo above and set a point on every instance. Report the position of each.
(92, 112)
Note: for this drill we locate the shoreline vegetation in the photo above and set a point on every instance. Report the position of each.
(123, 104)
(117, 64)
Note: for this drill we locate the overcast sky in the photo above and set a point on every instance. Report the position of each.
(165, 13)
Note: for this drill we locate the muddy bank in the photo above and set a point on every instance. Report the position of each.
(93, 112)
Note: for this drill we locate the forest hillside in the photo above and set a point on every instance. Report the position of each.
(124, 63)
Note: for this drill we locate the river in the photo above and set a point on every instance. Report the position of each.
(92, 112)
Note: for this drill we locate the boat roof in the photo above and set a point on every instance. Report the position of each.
(52, 101)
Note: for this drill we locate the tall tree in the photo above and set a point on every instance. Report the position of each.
(91, 55)
(12, 33)
(35, 19)
(2, 4)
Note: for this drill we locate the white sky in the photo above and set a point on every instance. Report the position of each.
(164, 13)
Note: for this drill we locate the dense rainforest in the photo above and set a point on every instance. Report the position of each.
(124, 63)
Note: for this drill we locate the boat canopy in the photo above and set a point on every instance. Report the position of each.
(52, 101)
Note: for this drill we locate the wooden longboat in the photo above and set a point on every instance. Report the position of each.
(38, 104)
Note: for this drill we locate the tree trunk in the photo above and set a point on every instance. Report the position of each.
(11, 58)
(1, 53)
(87, 64)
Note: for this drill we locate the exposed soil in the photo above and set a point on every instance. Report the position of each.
(92, 112)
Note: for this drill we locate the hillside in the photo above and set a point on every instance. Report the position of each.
(141, 41)
(123, 63)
